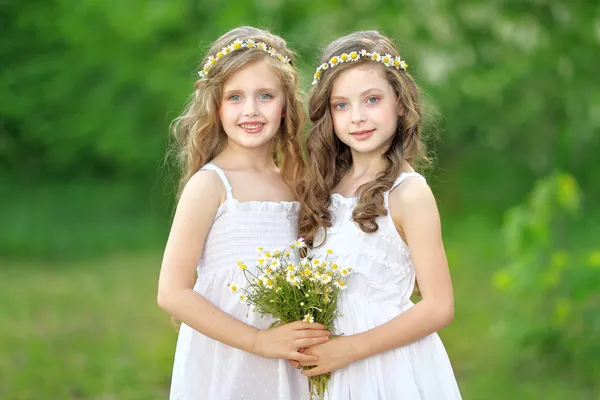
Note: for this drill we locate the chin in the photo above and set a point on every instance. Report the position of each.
(365, 147)
(252, 142)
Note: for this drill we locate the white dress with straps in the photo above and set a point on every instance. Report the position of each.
(378, 291)
(205, 369)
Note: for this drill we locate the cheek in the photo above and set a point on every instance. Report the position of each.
(227, 113)
(339, 121)
(386, 116)
(274, 109)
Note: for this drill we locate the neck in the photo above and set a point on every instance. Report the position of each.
(366, 164)
(240, 157)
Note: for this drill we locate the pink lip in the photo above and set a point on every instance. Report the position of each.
(258, 129)
(361, 135)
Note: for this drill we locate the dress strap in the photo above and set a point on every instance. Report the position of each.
(403, 176)
(221, 174)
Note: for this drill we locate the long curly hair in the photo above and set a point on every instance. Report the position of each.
(198, 133)
(330, 159)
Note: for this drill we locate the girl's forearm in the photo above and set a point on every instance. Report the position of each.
(421, 320)
(200, 314)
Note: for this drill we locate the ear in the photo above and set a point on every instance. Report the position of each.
(400, 110)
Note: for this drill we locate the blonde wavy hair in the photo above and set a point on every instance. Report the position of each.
(198, 133)
(330, 159)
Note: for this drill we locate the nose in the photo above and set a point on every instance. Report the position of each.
(250, 109)
(358, 116)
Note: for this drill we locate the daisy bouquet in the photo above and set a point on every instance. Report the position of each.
(291, 288)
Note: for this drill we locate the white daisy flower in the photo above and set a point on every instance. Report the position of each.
(237, 44)
(341, 285)
(308, 318)
(243, 298)
(233, 287)
(300, 243)
(275, 264)
(388, 60)
(292, 268)
(292, 279)
(326, 278)
(268, 282)
(344, 272)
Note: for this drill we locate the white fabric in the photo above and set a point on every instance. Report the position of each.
(205, 369)
(378, 291)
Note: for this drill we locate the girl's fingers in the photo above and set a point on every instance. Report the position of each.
(308, 363)
(310, 341)
(302, 358)
(301, 325)
(313, 372)
(309, 333)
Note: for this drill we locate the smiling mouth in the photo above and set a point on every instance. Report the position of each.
(362, 133)
(251, 126)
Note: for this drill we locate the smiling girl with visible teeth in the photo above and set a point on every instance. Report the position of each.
(238, 144)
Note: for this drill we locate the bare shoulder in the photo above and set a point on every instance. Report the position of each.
(411, 198)
(205, 186)
(412, 191)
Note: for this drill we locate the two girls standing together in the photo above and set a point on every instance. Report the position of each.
(246, 184)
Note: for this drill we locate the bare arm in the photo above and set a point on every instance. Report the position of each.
(415, 213)
(414, 210)
(194, 216)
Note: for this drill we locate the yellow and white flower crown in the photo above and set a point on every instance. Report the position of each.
(238, 45)
(388, 60)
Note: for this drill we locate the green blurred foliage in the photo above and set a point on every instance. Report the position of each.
(88, 88)
(555, 283)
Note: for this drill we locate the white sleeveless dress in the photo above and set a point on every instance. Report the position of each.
(205, 369)
(378, 291)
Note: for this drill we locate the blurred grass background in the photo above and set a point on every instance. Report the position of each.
(88, 88)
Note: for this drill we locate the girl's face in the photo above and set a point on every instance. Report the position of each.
(365, 109)
(252, 105)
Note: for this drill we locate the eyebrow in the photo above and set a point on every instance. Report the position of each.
(265, 89)
(361, 95)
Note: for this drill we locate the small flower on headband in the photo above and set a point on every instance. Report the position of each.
(238, 45)
(388, 60)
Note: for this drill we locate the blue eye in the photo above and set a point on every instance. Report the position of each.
(340, 106)
(372, 100)
(235, 97)
(265, 96)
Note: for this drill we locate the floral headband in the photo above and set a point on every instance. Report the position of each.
(238, 45)
(388, 60)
